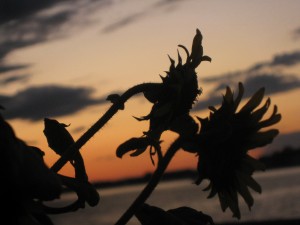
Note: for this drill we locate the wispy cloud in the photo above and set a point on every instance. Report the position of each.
(36, 103)
(134, 16)
(296, 33)
(15, 78)
(127, 20)
(280, 60)
(286, 59)
(273, 83)
(6, 68)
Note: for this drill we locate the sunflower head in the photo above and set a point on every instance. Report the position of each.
(222, 144)
(178, 91)
(172, 100)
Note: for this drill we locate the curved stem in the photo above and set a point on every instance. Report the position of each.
(101, 122)
(161, 167)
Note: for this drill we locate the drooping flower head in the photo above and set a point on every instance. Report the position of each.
(179, 89)
(223, 142)
(173, 100)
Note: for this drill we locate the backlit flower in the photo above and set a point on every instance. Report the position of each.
(172, 101)
(178, 92)
(222, 145)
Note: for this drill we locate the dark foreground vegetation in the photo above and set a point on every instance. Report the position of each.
(269, 222)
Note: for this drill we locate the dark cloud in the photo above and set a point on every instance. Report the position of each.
(17, 9)
(261, 74)
(36, 103)
(31, 22)
(273, 83)
(32, 30)
(8, 68)
(13, 79)
(286, 59)
(279, 60)
(124, 22)
(133, 17)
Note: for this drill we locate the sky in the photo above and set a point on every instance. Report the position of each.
(61, 59)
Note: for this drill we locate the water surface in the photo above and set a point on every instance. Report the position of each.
(280, 199)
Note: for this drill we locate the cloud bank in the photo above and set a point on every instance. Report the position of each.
(31, 22)
(36, 103)
(262, 74)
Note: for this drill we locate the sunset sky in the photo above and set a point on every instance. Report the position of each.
(61, 59)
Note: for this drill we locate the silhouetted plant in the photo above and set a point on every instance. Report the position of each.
(221, 141)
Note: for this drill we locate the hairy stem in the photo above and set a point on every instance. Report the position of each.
(161, 167)
(101, 122)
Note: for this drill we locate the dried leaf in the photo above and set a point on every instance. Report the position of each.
(133, 144)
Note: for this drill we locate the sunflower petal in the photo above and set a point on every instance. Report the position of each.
(261, 139)
(223, 200)
(239, 97)
(245, 193)
(274, 118)
(197, 50)
(254, 101)
(249, 181)
(228, 97)
(254, 163)
(258, 114)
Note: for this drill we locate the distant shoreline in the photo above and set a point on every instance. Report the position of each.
(286, 158)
